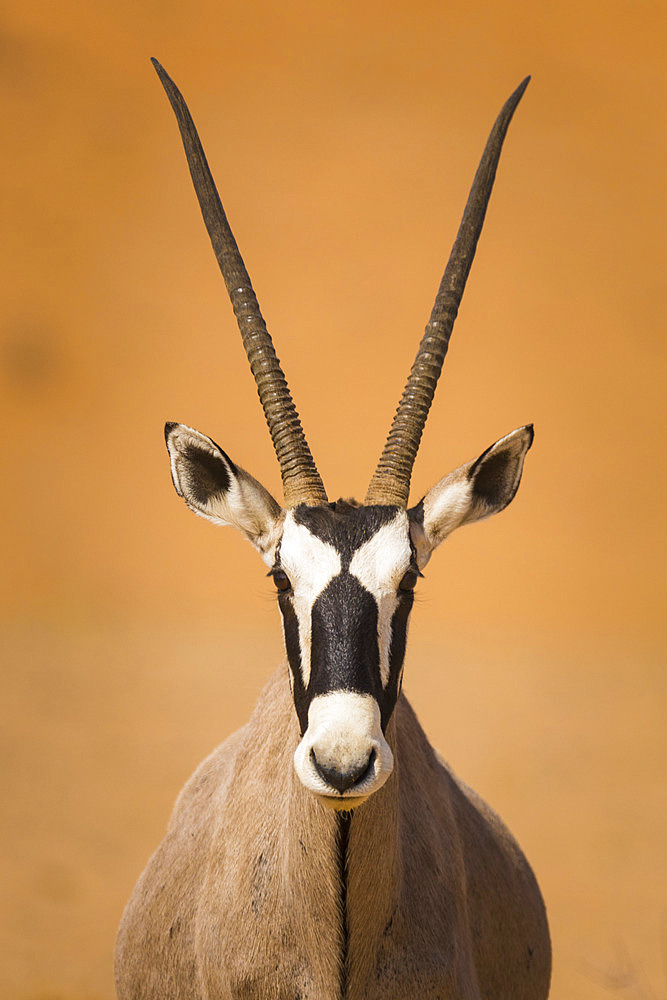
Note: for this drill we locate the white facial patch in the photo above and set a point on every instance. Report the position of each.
(310, 565)
(344, 734)
(379, 564)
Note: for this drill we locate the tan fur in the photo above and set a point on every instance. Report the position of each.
(243, 897)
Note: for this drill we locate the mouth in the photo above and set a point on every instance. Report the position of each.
(342, 803)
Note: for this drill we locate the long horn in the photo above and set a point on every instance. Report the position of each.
(301, 480)
(391, 481)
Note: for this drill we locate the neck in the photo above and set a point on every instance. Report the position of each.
(374, 872)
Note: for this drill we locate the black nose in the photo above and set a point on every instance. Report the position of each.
(342, 780)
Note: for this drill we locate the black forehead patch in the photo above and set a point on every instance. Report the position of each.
(344, 525)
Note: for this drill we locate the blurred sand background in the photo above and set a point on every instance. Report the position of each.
(135, 636)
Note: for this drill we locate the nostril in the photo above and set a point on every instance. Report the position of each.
(342, 780)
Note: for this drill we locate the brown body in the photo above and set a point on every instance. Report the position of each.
(246, 897)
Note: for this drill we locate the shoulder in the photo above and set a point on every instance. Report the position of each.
(203, 790)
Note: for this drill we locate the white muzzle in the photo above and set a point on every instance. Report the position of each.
(343, 755)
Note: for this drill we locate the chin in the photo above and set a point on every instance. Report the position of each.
(342, 803)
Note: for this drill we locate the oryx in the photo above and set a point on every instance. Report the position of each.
(325, 851)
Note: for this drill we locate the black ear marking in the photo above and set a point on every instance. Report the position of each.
(492, 480)
(496, 474)
(206, 474)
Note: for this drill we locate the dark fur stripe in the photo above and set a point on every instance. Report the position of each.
(293, 649)
(344, 646)
(344, 823)
(399, 636)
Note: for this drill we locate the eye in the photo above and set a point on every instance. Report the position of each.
(409, 581)
(281, 580)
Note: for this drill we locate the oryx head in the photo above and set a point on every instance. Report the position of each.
(344, 573)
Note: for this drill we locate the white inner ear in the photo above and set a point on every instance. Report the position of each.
(378, 565)
(446, 506)
(256, 514)
(310, 565)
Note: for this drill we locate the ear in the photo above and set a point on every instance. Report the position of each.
(213, 487)
(470, 493)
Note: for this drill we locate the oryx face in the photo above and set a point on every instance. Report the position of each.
(345, 577)
(344, 574)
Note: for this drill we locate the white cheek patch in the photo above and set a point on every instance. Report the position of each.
(310, 564)
(379, 565)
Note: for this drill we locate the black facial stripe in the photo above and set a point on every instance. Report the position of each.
(293, 649)
(344, 646)
(343, 525)
(399, 635)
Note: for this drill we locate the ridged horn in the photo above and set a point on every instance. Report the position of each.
(301, 480)
(391, 480)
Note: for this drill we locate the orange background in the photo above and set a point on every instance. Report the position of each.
(344, 139)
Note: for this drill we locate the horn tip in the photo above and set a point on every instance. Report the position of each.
(165, 79)
(518, 93)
